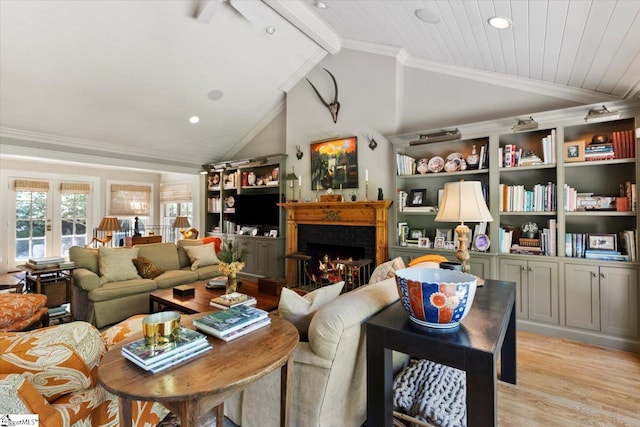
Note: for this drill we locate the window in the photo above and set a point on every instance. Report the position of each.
(131, 204)
(176, 199)
(73, 215)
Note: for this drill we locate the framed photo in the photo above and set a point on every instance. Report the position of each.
(445, 233)
(423, 242)
(334, 163)
(450, 245)
(418, 197)
(602, 242)
(416, 233)
(273, 233)
(438, 243)
(574, 151)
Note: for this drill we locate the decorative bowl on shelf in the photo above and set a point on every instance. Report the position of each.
(436, 298)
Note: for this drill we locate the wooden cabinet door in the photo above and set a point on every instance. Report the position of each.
(543, 291)
(582, 296)
(619, 301)
(515, 270)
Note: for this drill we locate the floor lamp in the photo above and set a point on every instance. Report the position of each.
(463, 201)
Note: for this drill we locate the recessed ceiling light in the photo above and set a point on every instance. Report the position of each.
(499, 22)
(215, 95)
(427, 16)
(320, 4)
(194, 119)
(270, 29)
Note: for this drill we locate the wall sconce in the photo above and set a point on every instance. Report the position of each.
(599, 115)
(292, 177)
(463, 201)
(444, 135)
(108, 224)
(526, 124)
(182, 223)
(372, 143)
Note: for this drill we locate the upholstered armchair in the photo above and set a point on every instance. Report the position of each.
(52, 372)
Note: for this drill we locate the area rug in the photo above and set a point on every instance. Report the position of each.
(432, 392)
(172, 421)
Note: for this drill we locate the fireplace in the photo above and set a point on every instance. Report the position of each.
(352, 224)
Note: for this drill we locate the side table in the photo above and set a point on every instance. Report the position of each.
(54, 282)
(488, 330)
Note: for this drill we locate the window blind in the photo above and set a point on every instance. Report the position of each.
(176, 192)
(28, 185)
(75, 188)
(130, 200)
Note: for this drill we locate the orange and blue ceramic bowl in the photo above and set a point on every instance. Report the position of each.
(434, 297)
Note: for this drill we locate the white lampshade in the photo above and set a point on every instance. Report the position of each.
(463, 201)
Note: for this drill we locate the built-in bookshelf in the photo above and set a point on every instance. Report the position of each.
(563, 197)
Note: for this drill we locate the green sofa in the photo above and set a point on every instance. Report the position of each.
(105, 297)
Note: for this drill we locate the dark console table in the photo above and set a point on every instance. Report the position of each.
(488, 329)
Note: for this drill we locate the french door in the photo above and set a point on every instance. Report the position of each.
(48, 216)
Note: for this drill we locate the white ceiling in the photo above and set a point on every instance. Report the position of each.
(103, 77)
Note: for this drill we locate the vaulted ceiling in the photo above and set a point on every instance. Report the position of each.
(121, 78)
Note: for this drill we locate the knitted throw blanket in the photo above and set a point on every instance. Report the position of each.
(432, 392)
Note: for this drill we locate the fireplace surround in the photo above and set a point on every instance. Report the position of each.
(373, 214)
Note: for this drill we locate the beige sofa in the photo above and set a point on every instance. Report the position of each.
(103, 302)
(329, 373)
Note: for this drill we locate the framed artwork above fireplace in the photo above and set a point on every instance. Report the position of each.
(334, 163)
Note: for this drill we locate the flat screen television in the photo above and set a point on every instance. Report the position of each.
(257, 209)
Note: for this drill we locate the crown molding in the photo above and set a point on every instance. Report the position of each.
(34, 144)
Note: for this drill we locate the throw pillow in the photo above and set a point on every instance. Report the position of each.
(201, 255)
(386, 270)
(115, 264)
(146, 268)
(299, 310)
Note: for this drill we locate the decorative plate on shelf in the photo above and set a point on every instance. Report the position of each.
(230, 201)
(423, 166)
(457, 160)
(436, 164)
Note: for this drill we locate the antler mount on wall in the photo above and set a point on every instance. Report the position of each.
(334, 106)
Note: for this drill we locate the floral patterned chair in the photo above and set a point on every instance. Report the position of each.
(52, 372)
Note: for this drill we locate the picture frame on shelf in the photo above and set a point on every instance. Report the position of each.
(417, 197)
(334, 163)
(450, 244)
(438, 243)
(273, 233)
(416, 234)
(445, 233)
(602, 242)
(424, 242)
(574, 151)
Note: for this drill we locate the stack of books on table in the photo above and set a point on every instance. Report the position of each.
(154, 359)
(233, 323)
(42, 263)
(231, 300)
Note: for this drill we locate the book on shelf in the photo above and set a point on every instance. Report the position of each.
(246, 329)
(52, 260)
(613, 256)
(224, 322)
(174, 360)
(231, 300)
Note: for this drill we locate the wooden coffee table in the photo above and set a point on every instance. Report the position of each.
(197, 389)
(199, 302)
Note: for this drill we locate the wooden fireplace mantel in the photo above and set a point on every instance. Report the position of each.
(365, 214)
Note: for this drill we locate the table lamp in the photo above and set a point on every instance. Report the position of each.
(463, 201)
(108, 224)
(182, 223)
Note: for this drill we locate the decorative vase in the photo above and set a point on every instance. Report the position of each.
(232, 283)
(473, 161)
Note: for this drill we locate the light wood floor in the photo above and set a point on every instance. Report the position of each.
(565, 383)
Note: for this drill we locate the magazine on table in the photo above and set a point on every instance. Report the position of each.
(226, 321)
(244, 330)
(148, 355)
(174, 360)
